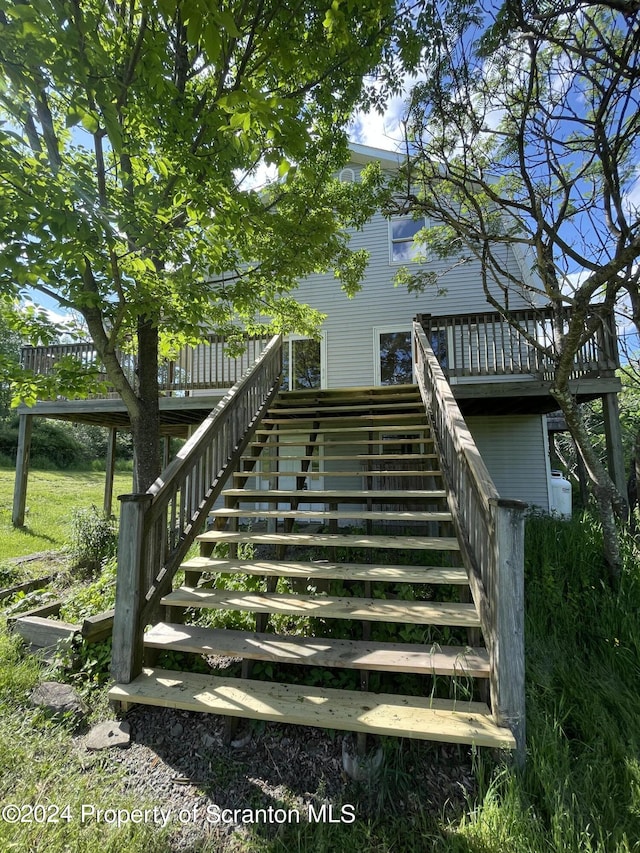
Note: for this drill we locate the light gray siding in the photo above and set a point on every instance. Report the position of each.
(351, 353)
(514, 449)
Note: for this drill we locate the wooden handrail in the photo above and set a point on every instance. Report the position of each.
(158, 527)
(491, 534)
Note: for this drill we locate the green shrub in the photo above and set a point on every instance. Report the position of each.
(53, 446)
(96, 597)
(93, 538)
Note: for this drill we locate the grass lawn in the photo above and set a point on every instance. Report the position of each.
(51, 499)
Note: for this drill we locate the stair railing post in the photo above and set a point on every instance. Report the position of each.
(127, 650)
(506, 597)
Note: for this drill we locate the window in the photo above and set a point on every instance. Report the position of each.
(395, 357)
(402, 230)
(302, 364)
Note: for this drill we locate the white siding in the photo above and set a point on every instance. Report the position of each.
(514, 449)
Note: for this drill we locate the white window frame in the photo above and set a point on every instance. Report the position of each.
(420, 222)
(381, 330)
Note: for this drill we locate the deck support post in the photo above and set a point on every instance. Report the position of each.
(507, 641)
(22, 470)
(110, 471)
(613, 434)
(127, 651)
(166, 451)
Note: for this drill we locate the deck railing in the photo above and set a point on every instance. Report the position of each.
(485, 345)
(205, 366)
(491, 532)
(157, 528)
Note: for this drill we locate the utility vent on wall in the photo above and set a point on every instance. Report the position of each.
(347, 176)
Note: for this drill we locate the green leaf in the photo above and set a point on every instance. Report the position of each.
(228, 23)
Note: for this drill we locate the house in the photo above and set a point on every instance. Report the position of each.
(412, 426)
(499, 381)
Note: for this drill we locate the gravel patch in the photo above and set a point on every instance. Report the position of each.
(271, 775)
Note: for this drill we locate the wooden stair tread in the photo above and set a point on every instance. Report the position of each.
(419, 543)
(358, 418)
(350, 390)
(332, 607)
(337, 571)
(338, 495)
(341, 443)
(349, 408)
(423, 472)
(346, 457)
(319, 514)
(427, 719)
(322, 396)
(321, 651)
(387, 429)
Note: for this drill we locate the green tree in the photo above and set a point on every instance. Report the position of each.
(526, 132)
(9, 361)
(131, 137)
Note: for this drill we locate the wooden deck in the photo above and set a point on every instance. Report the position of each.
(491, 368)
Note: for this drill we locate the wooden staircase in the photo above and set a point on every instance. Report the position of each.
(338, 505)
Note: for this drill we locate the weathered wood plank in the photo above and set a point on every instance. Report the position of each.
(507, 600)
(327, 570)
(42, 632)
(26, 586)
(51, 609)
(332, 607)
(126, 659)
(97, 628)
(385, 714)
(321, 651)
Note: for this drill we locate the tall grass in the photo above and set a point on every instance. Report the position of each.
(580, 790)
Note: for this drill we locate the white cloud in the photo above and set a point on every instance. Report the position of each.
(381, 130)
(385, 129)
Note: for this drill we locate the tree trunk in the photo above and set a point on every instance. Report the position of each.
(145, 424)
(608, 501)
